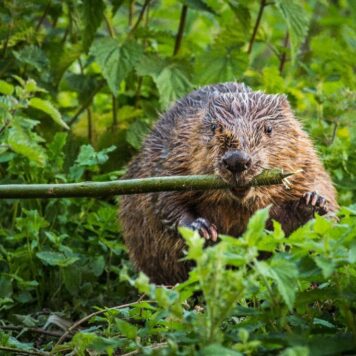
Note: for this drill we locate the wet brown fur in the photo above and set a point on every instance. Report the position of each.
(182, 143)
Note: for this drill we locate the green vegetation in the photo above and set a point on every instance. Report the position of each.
(81, 83)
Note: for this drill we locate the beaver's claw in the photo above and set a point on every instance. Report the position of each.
(315, 201)
(205, 229)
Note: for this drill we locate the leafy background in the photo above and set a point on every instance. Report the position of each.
(81, 83)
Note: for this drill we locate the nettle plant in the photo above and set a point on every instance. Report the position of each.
(299, 300)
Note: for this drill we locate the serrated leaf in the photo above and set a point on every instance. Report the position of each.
(92, 15)
(172, 83)
(56, 258)
(33, 56)
(21, 142)
(285, 274)
(198, 5)
(115, 60)
(242, 13)
(136, 133)
(297, 21)
(221, 64)
(49, 109)
(126, 329)
(62, 58)
(256, 227)
(6, 88)
(326, 265)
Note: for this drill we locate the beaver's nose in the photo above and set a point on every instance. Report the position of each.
(236, 161)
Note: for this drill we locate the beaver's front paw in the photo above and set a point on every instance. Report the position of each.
(315, 202)
(205, 229)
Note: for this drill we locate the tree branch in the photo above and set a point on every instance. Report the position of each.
(179, 37)
(31, 330)
(257, 24)
(23, 352)
(132, 186)
(88, 317)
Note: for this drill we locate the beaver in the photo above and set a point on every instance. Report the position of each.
(235, 133)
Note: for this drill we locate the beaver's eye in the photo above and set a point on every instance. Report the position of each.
(213, 127)
(268, 130)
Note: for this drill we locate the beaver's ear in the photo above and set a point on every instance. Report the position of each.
(284, 103)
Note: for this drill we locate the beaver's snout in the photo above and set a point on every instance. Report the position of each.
(236, 161)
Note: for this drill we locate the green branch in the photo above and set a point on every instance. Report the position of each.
(132, 186)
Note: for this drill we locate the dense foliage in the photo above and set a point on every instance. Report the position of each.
(81, 83)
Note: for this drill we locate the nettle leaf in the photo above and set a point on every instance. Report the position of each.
(221, 64)
(326, 265)
(243, 14)
(33, 56)
(285, 274)
(56, 258)
(136, 133)
(127, 329)
(92, 13)
(171, 77)
(256, 227)
(49, 109)
(297, 21)
(198, 5)
(115, 60)
(22, 142)
(172, 84)
(62, 57)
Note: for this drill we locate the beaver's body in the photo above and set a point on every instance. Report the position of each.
(233, 132)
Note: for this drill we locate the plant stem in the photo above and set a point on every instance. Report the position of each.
(109, 27)
(140, 17)
(114, 111)
(90, 126)
(179, 37)
(43, 16)
(257, 24)
(283, 57)
(128, 186)
(86, 104)
(131, 12)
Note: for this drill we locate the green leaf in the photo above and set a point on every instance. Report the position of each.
(21, 141)
(6, 88)
(172, 84)
(92, 15)
(297, 21)
(352, 253)
(198, 5)
(33, 56)
(242, 13)
(49, 109)
(126, 329)
(115, 60)
(221, 64)
(256, 227)
(136, 133)
(216, 349)
(326, 265)
(285, 274)
(296, 351)
(56, 258)
(171, 77)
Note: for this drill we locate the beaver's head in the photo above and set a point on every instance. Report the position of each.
(245, 133)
